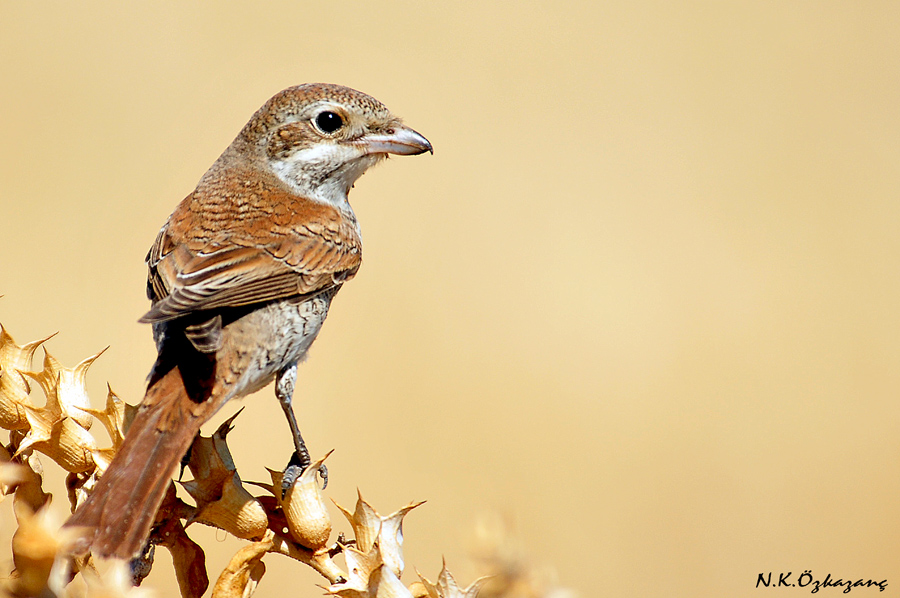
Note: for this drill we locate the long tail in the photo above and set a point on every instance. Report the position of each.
(121, 510)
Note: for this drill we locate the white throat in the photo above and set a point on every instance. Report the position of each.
(325, 172)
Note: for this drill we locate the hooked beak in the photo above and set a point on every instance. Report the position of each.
(399, 140)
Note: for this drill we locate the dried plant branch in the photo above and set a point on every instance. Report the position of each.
(295, 524)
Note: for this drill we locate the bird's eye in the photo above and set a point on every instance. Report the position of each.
(329, 122)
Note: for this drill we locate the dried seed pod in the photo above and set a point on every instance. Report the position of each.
(15, 358)
(369, 576)
(446, 586)
(365, 521)
(12, 402)
(360, 567)
(370, 528)
(115, 417)
(102, 458)
(188, 557)
(418, 590)
(390, 539)
(222, 501)
(12, 477)
(14, 387)
(24, 478)
(242, 575)
(236, 511)
(384, 584)
(304, 507)
(63, 440)
(65, 390)
(35, 546)
(211, 465)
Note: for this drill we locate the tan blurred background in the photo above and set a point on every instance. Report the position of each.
(642, 301)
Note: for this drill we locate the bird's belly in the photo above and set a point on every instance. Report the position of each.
(272, 337)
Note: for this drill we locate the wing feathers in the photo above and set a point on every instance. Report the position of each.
(322, 249)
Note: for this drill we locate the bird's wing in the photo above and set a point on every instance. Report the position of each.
(300, 248)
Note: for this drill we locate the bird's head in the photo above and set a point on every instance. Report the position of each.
(320, 138)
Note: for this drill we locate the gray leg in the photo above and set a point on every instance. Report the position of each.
(300, 460)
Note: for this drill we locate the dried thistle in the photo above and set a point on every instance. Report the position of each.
(14, 388)
(22, 476)
(222, 501)
(511, 573)
(115, 417)
(37, 547)
(370, 528)
(303, 506)
(296, 524)
(242, 575)
(446, 586)
(65, 390)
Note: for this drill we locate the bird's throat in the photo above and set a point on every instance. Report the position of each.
(323, 178)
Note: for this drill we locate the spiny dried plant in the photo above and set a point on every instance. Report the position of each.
(294, 523)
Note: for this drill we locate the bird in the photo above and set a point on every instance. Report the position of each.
(241, 277)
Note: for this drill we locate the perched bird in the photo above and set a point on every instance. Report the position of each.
(241, 277)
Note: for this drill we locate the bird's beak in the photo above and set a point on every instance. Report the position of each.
(399, 140)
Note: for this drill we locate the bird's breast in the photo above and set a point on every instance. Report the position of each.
(269, 338)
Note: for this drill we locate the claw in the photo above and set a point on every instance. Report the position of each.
(295, 468)
(140, 565)
(323, 473)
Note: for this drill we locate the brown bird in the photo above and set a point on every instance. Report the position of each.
(241, 277)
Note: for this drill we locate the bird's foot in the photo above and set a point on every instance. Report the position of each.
(140, 565)
(295, 468)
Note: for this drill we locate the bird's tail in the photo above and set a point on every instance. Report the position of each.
(119, 513)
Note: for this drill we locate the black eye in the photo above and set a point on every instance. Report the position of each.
(329, 122)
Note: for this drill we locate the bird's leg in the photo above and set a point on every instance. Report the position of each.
(300, 460)
(284, 390)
